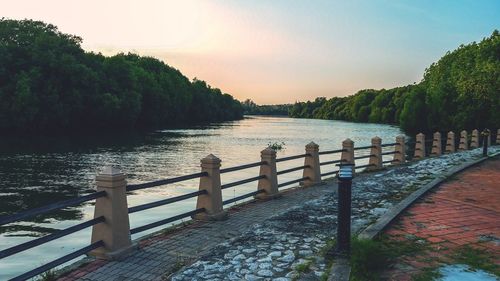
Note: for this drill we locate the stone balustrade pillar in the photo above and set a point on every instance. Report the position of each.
(312, 171)
(212, 201)
(498, 136)
(399, 151)
(375, 159)
(436, 144)
(450, 142)
(115, 230)
(270, 183)
(420, 146)
(487, 136)
(474, 143)
(464, 141)
(347, 156)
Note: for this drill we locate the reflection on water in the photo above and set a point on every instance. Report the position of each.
(36, 172)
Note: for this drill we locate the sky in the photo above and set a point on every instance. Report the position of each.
(276, 51)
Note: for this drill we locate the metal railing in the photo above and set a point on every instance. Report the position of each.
(311, 163)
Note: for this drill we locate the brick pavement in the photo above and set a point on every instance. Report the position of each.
(464, 211)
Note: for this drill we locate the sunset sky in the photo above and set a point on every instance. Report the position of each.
(276, 51)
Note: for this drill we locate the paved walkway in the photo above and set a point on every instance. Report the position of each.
(463, 212)
(164, 253)
(267, 240)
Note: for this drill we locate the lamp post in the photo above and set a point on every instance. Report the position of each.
(345, 176)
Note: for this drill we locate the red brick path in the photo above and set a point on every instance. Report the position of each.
(462, 211)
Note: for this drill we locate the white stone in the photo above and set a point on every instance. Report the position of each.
(265, 273)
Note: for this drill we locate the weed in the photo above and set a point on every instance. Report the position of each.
(276, 146)
(427, 274)
(304, 267)
(476, 259)
(48, 275)
(370, 257)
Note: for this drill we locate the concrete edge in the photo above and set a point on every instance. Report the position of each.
(341, 269)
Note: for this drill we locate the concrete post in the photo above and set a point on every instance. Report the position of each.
(464, 141)
(436, 145)
(474, 142)
(498, 136)
(488, 137)
(212, 201)
(313, 172)
(399, 151)
(270, 183)
(420, 146)
(347, 156)
(450, 142)
(375, 159)
(115, 231)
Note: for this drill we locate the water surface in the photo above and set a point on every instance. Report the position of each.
(36, 172)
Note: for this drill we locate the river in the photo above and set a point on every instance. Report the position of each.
(38, 171)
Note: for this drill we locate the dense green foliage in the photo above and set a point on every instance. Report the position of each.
(251, 108)
(49, 84)
(460, 91)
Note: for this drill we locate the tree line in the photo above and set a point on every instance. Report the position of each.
(251, 108)
(460, 91)
(49, 84)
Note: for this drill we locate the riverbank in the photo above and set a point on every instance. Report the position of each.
(287, 239)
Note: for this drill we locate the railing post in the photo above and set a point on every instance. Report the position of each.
(212, 200)
(464, 141)
(436, 144)
(375, 159)
(420, 146)
(399, 151)
(115, 231)
(498, 136)
(488, 137)
(270, 183)
(347, 156)
(474, 143)
(311, 160)
(450, 142)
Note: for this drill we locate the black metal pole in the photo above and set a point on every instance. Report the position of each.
(344, 216)
(486, 135)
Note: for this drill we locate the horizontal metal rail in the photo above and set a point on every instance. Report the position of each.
(292, 182)
(388, 161)
(165, 221)
(363, 166)
(292, 169)
(329, 162)
(238, 198)
(42, 240)
(242, 167)
(292, 157)
(389, 152)
(330, 173)
(59, 261)
(364, 147)
(51, 207)
(132, 187)
(388, 144)
(331, 151)
(364, 156)
(165, 201)
(231, 184)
